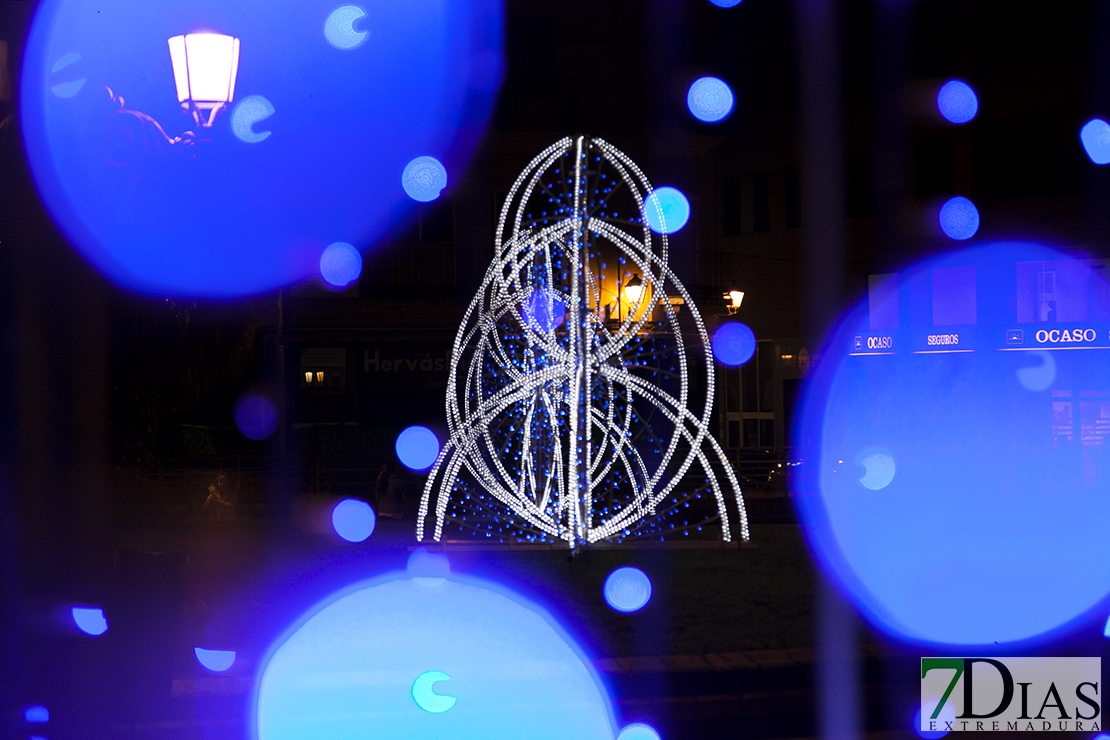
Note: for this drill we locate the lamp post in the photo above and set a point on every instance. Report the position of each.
(204, 68)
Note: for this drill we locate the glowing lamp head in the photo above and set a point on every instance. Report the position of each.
(734, 298)
(204, 67)
(634, 287)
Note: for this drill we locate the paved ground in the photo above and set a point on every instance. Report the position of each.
(725, 647)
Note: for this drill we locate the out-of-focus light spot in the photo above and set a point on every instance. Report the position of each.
(666, 210)
(959, 218)
(339, 28)
(36, 714)
(1106, 629)
(426, 698)
(248, 112)
(979, 457)
(340, 264)
(90, 619)
(68, 89)
(638, 730)
(544, 310)
(353, 519)
(1095, 136)
(327, 162)
(956, 101)
(725, 3)
(733, 343)
(215, 660)
(424, 178)
(72, 87)
(491, 643)
(710, 99)
(255, 416)
(947, 714)
(878, 466)
(1041, 376)
(428, 568)
(65, 60)
(35, 737)
(627, 589)
(417, 448)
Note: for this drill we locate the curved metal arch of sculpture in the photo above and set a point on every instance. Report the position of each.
(543, 414)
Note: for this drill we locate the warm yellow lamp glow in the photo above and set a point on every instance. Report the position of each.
(308, 377)
(734, 298)
(634, 288)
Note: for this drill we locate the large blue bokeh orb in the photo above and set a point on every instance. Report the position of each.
(370, 664)
(417, 447)
(710, 99)
(666, 210)
(959, 218)
(329, 107)
(733, 343)
(1095, 137)
(992, 486)
(957, 102)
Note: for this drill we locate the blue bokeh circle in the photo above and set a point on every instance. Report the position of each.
(417, 447)
(217, 661)
(627, 589)
(424, 178)
(353, 519)
(255, 416)
(957, 102)
(710, 99)
(733, 343)
(90, 620)
(959, 218)
(666, 210)
(349, 667)
(234, 210)
(990, 496)
(544, 310)
(1095, 137)
(340, 264)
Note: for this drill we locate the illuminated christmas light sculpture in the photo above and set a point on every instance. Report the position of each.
(571, 399)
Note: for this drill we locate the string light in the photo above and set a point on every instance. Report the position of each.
(582, 431)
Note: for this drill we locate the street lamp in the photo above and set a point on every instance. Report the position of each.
(634, 287)
(204, 68)
(734, 298)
